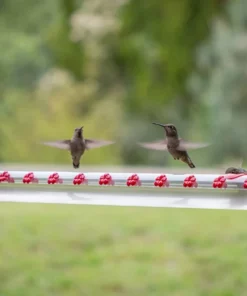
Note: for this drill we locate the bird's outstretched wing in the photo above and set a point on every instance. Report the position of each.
(64, 144)
(157, 145)
(91, 143)
(184, 145)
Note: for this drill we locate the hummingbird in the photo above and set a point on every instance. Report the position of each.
(176, 146)
(77, 145)
(237, 171)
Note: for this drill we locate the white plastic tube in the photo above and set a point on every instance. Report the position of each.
(120, 179)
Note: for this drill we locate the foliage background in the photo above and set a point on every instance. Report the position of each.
(116, 66)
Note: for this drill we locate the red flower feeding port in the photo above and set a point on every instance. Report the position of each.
(29, 178)
(106, 179)
(220, 182)
(80, 179)
(161, 181)
(6, 177)
(190, 181)
(133, 180)
(54, 179)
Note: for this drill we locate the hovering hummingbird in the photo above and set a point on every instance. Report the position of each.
(176, 146)
(77, 145)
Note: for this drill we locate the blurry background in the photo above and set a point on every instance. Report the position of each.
(115, 66)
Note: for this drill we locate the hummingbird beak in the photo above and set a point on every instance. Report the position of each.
(81, 128)
(163, 125)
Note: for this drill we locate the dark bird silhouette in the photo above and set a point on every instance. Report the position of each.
(236, 170)
(176, 146)
(77, 145)
(233, 170)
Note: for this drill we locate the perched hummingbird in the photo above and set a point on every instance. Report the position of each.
(233, 170)
(175, 145)
(77, 145)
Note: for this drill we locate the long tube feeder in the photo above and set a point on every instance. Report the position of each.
(212, 181)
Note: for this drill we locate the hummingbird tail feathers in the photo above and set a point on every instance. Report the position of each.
(191, 164)
(76, 166)
(187, 160)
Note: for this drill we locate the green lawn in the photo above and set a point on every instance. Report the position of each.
(59, 250)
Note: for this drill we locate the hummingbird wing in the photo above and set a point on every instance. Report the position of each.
(64, 144)
(184, 145)
(157, 145)
(91, 143)
(241, 161)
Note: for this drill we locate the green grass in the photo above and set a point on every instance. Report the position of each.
(88, 250)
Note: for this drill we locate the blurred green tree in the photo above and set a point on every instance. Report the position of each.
(67, 53)
(114, 65)
(219, 84)
(154, 54)
(23, 55)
